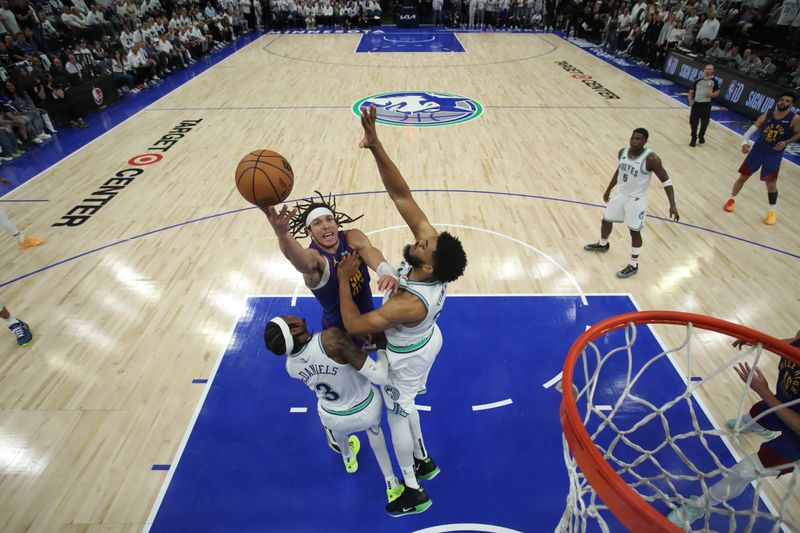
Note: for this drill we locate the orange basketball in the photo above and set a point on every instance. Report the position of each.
(264, 178)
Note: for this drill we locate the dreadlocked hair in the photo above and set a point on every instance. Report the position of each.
(297, 226)
(273, 339)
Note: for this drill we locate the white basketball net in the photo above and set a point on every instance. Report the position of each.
(690, 451)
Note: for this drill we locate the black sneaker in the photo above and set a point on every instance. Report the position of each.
(628, 271)
(693, 142)
(701, 140)
(411, 501)
(597, 247)
(425, 469)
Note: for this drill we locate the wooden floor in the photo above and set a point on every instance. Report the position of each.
(105, 392)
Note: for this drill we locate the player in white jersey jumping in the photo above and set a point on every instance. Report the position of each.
(346, 400)
(408, 318)
(629, 203)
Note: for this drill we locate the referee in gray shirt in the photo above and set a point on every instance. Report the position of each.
(700, 95)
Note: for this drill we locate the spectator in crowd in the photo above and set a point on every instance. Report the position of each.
(74, 70)
(750, 65)
(714, 53)
(20, 106)
(709, 29)
(767, 69)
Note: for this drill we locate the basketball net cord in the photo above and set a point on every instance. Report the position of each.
(668, 489)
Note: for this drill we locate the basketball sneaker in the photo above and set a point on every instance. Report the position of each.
(772, 218)
(393, 493)
(701, 140)
(351, 465)
(23, 333)
(597, 247)
(685, 515)
(763, 433)
(410, 501)
(628, 271)
(729, 205)
(425, 469)
(30, 242)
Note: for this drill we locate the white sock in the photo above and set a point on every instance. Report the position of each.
(409, 477)
(11, 320)
(9, 226)
(635, 253)
(602, 241)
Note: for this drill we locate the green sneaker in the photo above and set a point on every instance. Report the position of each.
(411, 501)
(355, 445)
(763, 433)
(393, 494)
(685, 515)
(425, 469)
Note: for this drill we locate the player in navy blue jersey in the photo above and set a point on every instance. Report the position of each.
(776, 456)
(778, 128)
(319, 220)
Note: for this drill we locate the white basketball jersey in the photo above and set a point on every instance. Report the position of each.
(633, 178)
(403, 338)
(340, 389)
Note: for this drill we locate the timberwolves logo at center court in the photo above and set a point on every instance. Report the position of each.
(421, 108)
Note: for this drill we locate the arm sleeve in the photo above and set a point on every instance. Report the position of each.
(376, 371)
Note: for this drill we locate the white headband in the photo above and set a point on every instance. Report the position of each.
(316, 213)
(287, 334)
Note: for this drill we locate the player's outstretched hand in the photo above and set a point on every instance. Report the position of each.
(368, 115)
(348, 266)
(758, 383)
(388, 283)
(279, 221)
(673, 213)
(745, 148)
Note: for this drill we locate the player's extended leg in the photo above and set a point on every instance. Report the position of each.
(601, 245)
(332, 444)
(751, 163)
(737, 186)
(772, 196)
(377, 442)
(636, 248)
(424, 467)
(399, 399)
(19, 328)
(731, 485)
(10, 228)
(349, 451)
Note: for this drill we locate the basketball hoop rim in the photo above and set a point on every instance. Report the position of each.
(628, 507)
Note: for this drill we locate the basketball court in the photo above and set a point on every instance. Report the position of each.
(148, 400)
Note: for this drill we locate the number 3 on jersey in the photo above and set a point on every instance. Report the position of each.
(327, 393)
